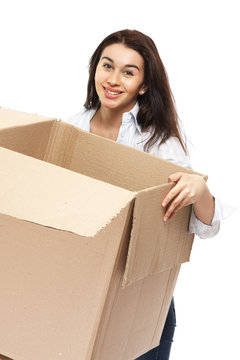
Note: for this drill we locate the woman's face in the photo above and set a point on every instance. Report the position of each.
(119, 77)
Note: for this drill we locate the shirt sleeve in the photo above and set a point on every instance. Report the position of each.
(222, 211)
(172, 150)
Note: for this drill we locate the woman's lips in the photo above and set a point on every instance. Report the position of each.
(112, 94)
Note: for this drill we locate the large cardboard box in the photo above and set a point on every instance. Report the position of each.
(87, 265)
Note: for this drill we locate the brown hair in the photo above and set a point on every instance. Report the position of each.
(157, 110)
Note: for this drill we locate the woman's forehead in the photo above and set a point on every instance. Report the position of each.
(122, 55)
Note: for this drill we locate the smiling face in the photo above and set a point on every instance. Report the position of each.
(119, 77)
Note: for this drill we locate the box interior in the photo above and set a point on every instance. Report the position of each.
(66, 146)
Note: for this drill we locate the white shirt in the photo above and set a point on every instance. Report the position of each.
(130, 134)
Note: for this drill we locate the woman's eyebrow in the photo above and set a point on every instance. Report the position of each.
(127, 65)
(107, 58)
(132, 66)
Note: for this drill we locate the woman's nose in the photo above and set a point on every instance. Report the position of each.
(113, 79)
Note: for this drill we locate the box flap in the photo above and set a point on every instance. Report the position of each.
(49, 195)
(106, 160)
(11, 118)
(156, 246)
(30, 140)
(25, 133)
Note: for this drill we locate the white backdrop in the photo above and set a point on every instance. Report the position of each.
(44, 52)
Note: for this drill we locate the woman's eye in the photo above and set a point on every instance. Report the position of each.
(128, 73)
(107, 66)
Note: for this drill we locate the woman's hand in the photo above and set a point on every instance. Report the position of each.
(189, 189)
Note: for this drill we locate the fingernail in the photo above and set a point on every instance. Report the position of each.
(165, 218)
(164, 203)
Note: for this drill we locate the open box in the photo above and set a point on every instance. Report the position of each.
(87, 265)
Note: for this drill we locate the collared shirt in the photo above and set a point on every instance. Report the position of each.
(130, 134)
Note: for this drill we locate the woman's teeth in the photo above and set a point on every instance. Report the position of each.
(113, 92)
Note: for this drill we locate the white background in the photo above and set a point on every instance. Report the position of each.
(44, 51)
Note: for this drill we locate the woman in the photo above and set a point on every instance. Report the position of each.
(129, 101)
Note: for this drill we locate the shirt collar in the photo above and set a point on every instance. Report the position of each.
(133, 112)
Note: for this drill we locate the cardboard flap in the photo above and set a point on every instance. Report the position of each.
(25, 133)
(156, 246)
(49, 195)
(106, 160)
(29, 140)
(11, 118)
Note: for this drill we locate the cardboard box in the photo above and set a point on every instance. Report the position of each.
(4, 357)
(87, 265)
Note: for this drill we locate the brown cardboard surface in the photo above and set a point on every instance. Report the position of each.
(30, 140)
(4, 357)
(74, 230)
(25, 133)
(13, 118)
(73, 200)
(130, 169)
(156, 246)
(133, 170)
(53, 288)
(121, 166)
(115, 163)
(134, 316)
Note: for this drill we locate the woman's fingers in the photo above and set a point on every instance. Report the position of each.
(176, 189)
(175, 177)
(172, 194)
(176, 204)
(189, 189)
(174, 212)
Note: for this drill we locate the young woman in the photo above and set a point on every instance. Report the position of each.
(129, 100)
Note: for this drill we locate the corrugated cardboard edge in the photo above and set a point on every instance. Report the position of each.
(92, 235)
(58, 141)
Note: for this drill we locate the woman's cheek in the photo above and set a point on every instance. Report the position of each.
(99, 81)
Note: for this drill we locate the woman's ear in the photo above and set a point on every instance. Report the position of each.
(143, 90)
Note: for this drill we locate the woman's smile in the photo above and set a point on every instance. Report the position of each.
(112, 93)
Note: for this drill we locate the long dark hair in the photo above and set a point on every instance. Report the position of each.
(157, 110)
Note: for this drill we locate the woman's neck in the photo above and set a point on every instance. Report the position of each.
(106, 122)
(110, 118)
